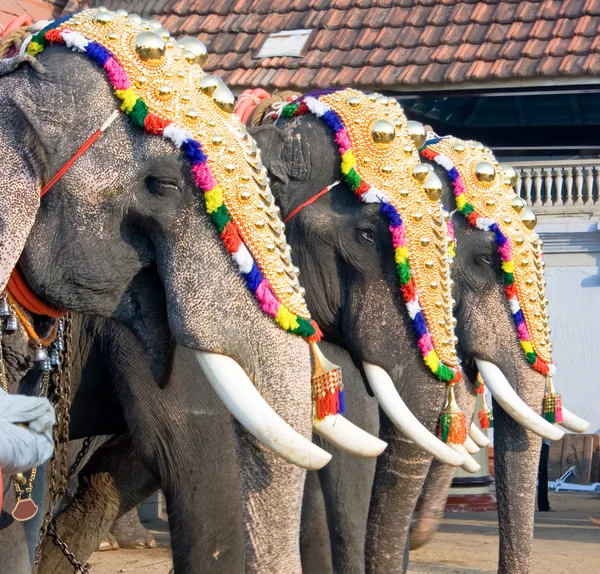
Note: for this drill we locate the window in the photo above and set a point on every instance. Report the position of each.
(288, 43)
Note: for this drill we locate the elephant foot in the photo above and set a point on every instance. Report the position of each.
(109, 543)
(129, 532)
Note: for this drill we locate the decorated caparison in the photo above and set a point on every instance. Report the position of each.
(164, 90)
(380, 163)
(485, 197)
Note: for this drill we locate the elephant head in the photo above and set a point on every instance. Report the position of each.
(355, 268)
(503, 328)
(130, 221)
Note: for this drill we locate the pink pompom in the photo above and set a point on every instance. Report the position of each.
(116, 75)
(203, 177)
(268, 302)
(398, 238)
(522, 332)
(425, 344)
(343, 141)
(505, 252)
(459, 187)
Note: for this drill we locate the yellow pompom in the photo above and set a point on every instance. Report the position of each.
(508, 266)
(461, 202)
(401, 254)
(214, 199)
(527, 346)
(432, 361)
(286, 319)
(348, 161)
(34, 48)
(129, 98)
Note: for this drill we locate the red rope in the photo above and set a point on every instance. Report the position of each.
(314, 198)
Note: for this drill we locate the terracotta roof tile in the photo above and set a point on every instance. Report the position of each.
(384, 43)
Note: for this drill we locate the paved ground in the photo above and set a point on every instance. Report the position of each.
(565, 541)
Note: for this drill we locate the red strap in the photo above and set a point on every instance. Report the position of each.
(16, 284)
(314, 198)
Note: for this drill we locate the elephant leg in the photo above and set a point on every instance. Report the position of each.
(108, 488)
(129, 532)
(315, 547)
(399, 476)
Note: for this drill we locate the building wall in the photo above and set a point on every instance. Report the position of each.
(574, 307)
(572, 255)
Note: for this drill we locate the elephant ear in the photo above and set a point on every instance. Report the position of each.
(285, 157)
(23, 161)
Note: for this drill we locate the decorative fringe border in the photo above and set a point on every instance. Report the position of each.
(137, 110)
(504, 248)
(370, 194)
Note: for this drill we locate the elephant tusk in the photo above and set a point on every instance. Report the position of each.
(471, 446)
(397, 411)
(514, 406)
(244, 402)
(347, 437)
(469, 465)
(340, 432)
(572, 422)
(478, 436)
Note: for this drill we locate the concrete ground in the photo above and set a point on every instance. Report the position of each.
(467, 543)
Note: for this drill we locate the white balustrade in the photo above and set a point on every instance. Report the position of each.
(552, 186)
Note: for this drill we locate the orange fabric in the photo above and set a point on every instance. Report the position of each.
(25, 297)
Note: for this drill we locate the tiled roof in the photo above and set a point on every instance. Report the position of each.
(390, 44)
(35, 9)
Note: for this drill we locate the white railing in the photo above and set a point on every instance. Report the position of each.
(552, 186)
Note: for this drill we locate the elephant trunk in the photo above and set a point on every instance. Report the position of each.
(516, 458)
(398, 480)
(432, 504)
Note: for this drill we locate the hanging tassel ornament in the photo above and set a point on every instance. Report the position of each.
(552, 403)
(327, 388)
(486, 415)
(453, 423)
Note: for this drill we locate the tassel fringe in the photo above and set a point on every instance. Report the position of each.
(552, 404)
(328, 391)
(453, 423)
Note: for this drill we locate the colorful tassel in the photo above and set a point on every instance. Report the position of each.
(486, 415)
(453, 423)
(328, 391)
(552, 403)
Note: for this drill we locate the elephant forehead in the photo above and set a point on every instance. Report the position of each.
(159, 83)
(387, 159)
(492, 197)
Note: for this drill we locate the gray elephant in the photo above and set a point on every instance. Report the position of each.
(345, 279)
(126, 224)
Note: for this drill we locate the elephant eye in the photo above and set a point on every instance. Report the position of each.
(162, 185)
(485, 259)
(368, 235)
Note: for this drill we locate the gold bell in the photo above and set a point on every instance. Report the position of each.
(149, 46)
(223, 97)
(421, 171)
(417, 132)
(485, 171)
(383, 132)
(510, 173)
(433, 186)
(195, 51)
(518, 204)
(208, 84)
(528, 218)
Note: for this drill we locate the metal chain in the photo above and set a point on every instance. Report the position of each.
(78, 566)
(60, 434)
(84, 450)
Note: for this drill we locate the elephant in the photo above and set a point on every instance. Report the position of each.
(487, 335)
(125, 224)
(350, 269)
